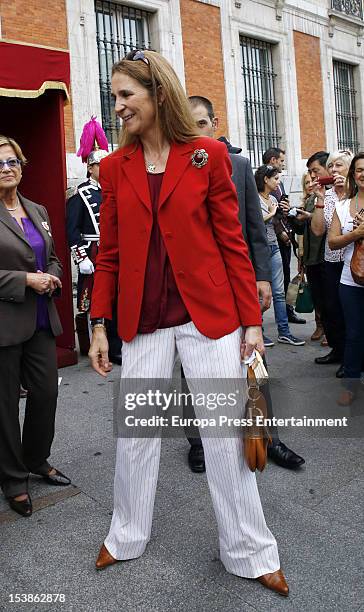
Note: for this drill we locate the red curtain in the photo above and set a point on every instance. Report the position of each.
(37, 124)
(24, 69)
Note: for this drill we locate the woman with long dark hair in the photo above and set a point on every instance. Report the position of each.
(267, 179)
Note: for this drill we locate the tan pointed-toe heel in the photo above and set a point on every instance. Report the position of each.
(104, 559)
(275, 582)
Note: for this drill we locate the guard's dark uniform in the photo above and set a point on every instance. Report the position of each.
(83, 234)
(82, 218)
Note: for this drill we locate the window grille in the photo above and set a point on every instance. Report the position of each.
(119, 29)
(260, 107)
(351, 8)
(345, 101)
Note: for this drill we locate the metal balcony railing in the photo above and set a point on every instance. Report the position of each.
(351, 8)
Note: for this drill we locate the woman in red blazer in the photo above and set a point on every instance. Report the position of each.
(172, 246)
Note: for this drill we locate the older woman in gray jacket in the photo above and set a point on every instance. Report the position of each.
(29, 278)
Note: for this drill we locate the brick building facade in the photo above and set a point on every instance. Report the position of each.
(286, 72)
(33, 23)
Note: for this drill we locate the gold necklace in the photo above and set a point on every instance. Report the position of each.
(152, 166)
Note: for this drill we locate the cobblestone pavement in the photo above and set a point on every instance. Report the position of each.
(316, 513)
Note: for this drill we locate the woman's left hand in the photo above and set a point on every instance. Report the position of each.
(339, 180)
(358, 219)
(303, 215)
(252, 339)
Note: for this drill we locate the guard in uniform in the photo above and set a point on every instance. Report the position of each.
(83, 234)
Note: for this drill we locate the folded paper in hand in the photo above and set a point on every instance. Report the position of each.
(255, 361)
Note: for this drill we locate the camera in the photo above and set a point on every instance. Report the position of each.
(325, 180)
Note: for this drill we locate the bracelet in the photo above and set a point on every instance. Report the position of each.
(99, 325)
(319, 205)
(97, 320)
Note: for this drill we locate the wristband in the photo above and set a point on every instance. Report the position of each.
(319, 205)
(98, 325)
(99, 321)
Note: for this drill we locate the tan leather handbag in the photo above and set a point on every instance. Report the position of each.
(256, 437)
(357, 262)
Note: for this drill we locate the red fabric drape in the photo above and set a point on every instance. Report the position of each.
(33, 83)
(27, 71)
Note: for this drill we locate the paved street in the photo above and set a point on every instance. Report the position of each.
(316, 514)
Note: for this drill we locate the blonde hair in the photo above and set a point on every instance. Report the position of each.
(174, 114)
(4, 140)
(305, 194)
(344, 155)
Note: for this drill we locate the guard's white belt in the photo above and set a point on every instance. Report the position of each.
(90, 237)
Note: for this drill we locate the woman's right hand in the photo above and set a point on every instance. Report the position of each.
(273, 207)
(99, 352)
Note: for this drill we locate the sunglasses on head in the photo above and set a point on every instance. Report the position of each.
(269, 169)
(135, 55)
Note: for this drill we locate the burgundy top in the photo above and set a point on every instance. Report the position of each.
(36, 241)
(162, 305)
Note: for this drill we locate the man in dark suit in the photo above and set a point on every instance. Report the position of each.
(255, 235)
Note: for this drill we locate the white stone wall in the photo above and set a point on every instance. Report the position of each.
(271, 20)
(166, 37)
(261, 19)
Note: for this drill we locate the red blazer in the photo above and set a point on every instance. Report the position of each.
(198, 219)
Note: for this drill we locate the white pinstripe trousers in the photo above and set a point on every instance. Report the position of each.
(247, 547)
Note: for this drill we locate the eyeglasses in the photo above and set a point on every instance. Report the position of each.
(346, 152)
(11, 163)
(135, 55)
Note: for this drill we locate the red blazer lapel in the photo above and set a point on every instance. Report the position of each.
(134, 169)
(178, 160)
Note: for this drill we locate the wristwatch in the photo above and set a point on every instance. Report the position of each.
(98, 321)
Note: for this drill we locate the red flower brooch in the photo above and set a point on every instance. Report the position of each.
(199, 158)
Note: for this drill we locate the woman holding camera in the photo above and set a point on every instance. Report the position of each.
(267, 180)
(346, 229)
(337, 166)
(313, 251)
(30, 274)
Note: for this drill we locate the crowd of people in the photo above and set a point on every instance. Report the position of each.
(171, 183)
